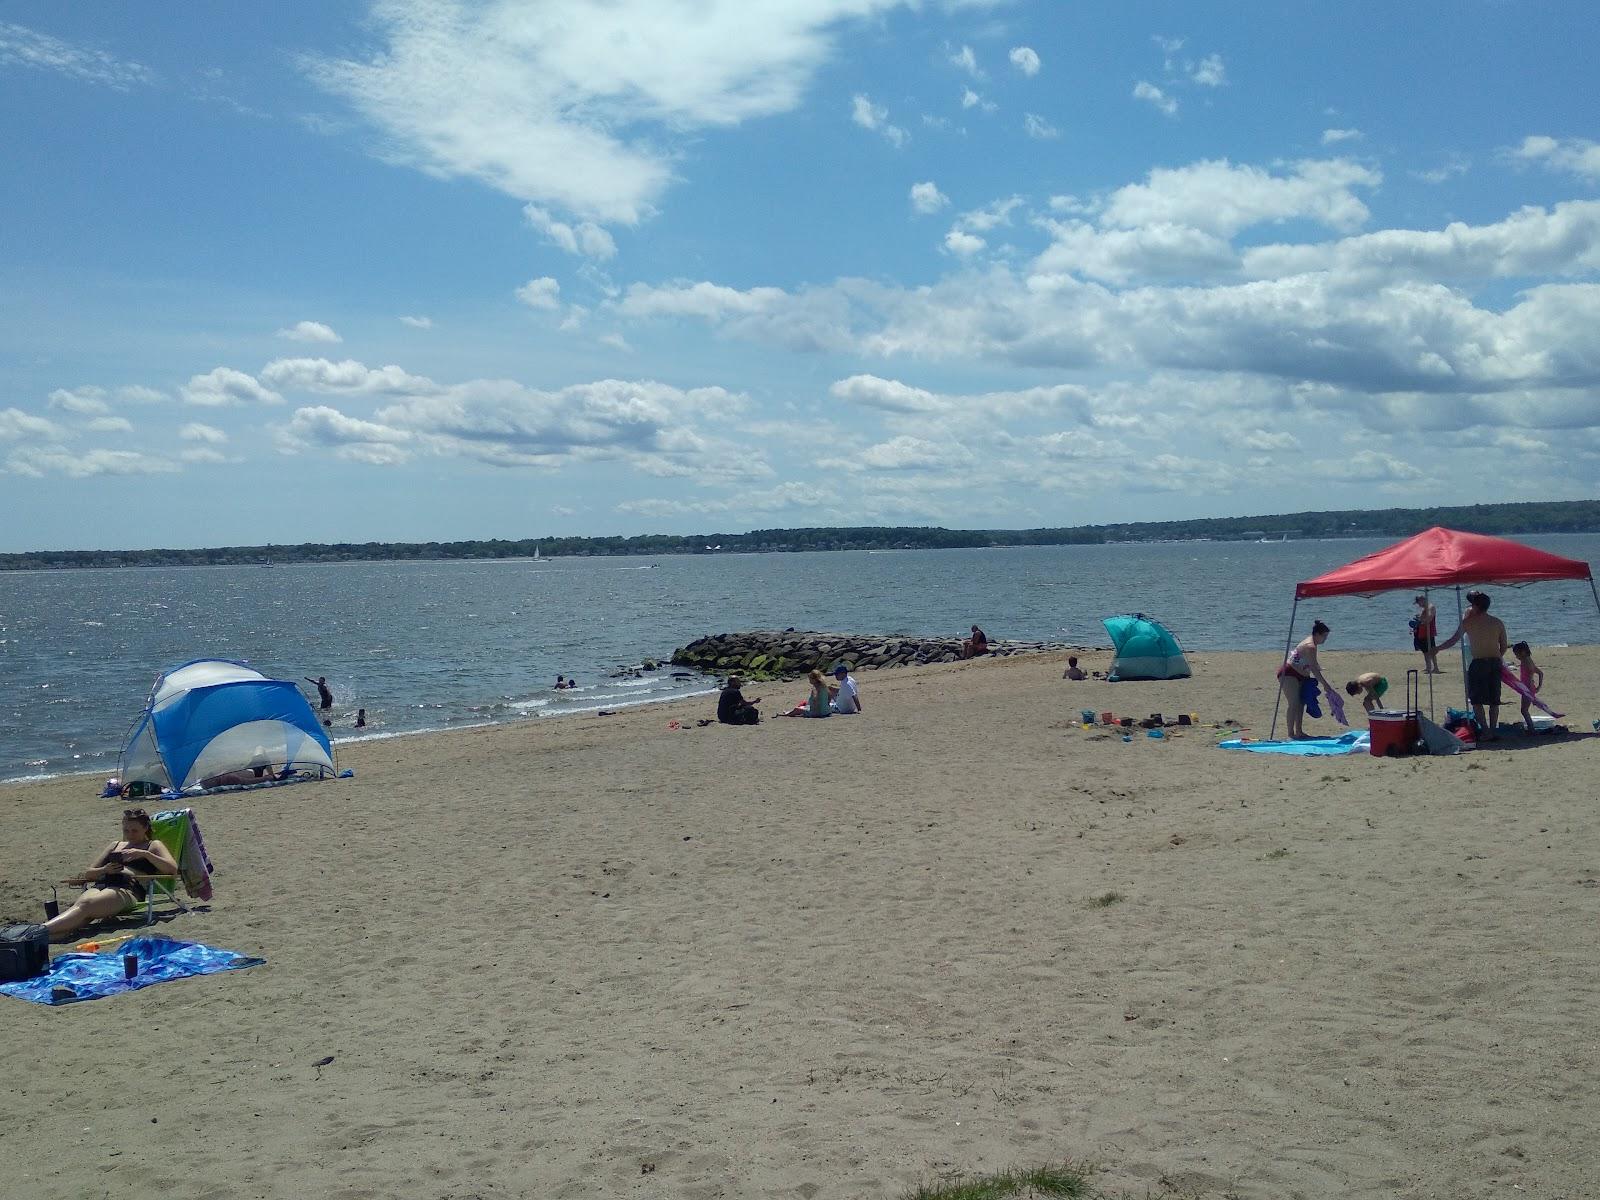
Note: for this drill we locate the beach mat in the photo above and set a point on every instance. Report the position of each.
(1357, 741)
(94, 976)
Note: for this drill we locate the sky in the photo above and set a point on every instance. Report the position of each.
(423, 270)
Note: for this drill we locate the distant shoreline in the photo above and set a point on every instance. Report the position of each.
(1499, 520)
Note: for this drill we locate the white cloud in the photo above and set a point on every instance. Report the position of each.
(1564, 240)
(1155, 97)
(1209, 71)
(1221, 198)
(1577, 156)
(963, 244)
(584, 238)
(1331, 137)
(907, 453)
(970, 98)
(1455, 165)
(927, 198)
(417, 322)
(544, 293)
(108, 425)
(1366, 467)
(889, 395)
(1265, 440)
(966, 60)
(784, 496)
(24, 47)
(194, 431)
(203, 455)
(83, 401)
(309, 331)
(17, 426)
(348, 437)
(651, 426)
(563, 105)
(876, 118)
(348, 378)
(1161, 250)
(1037, 127)
(1024, 59)
(38, 461)
(710, 301)
(224, 386)
(990, 216)
(135, 394)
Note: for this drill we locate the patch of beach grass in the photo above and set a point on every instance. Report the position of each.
(1065, 1179)
(1274, 855)
(1106, 899)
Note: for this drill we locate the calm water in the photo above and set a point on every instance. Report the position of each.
(435, 645)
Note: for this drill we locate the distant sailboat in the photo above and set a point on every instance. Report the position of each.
(537, 557)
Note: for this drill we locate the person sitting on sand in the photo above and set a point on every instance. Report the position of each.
(1370, 686)
(1073, 671)
(817, 704)
(733, 708)
(845, 697)
(116, 881)
(975, 645)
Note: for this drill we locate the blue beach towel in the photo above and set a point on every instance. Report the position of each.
(92, 976)
(1357, 741)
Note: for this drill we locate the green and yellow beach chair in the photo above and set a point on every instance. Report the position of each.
(179, 831)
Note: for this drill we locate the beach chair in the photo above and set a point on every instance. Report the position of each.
(179, 831)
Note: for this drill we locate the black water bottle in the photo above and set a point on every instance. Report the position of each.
(130, 965)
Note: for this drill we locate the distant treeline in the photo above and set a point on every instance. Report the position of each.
(1567, 516)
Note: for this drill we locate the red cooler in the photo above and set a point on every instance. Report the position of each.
(1393, 732)
(1396, 732)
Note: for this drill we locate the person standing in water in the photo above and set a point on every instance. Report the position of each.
(324, 692)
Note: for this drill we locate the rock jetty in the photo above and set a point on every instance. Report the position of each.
(778, 653)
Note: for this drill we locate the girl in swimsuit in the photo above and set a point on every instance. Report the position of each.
(116, 880)
(1300, 666)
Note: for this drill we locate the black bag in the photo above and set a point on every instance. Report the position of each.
(24, 952)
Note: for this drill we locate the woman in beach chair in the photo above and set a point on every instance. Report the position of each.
(118, 879)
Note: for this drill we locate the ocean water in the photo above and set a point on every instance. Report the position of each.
(433, 645)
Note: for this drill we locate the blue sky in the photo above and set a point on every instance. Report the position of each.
(417, 270)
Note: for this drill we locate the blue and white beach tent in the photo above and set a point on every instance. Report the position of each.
(211, 716)
(1146, 649)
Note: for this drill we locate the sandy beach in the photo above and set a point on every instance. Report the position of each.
(599, 956)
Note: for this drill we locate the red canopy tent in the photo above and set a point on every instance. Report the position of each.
(1439, 557)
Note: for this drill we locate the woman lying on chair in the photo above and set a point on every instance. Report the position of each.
(115, 882)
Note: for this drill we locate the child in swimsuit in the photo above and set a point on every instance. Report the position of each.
(1532, 678)
(1370, 686)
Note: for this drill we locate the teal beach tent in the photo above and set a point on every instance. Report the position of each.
(1145, 649)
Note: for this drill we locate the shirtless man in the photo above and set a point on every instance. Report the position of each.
(1486, 643)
